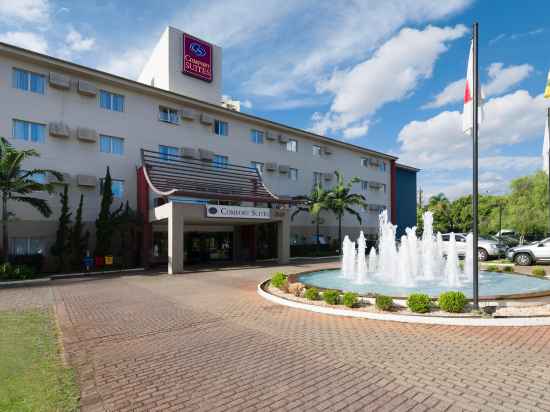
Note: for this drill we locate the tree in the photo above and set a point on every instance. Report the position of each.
(127, 223)
(340, 200)
(16, 184)
(314, 204)
(78, 239)
(104, 223)
(440, 206)
(62, 247)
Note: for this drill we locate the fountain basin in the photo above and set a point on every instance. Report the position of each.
(492, 285)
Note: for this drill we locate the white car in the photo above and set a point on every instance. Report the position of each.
(486, 248)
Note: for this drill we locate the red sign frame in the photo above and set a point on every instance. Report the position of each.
(197, 58)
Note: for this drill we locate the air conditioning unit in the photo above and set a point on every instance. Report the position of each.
(86, 180)
(327, 150)
(86, 88)
(187, 114)
(207, 155)
(86, 135)
(189, 152)
(284, 169)
(59, 81)
(271, 166)
(206, 119)
(270, 136)
(59, 129)
(283, 138)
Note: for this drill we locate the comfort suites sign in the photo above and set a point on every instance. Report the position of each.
(238, 212)
(197, 58)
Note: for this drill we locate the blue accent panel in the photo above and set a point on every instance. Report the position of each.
(405, 199)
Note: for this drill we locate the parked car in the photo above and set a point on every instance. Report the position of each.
(531, 253)
(486, 248)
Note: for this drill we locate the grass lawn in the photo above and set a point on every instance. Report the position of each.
(32, 376)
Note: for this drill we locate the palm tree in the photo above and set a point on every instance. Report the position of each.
(17, 183)
(340, 200)
(314, 204)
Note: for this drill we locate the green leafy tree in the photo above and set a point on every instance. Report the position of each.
(127, 223)
(17, 184)
(341, 200)
(440, 206)
(62, 247)
(104, 223)
(313, 204)
(78, 239)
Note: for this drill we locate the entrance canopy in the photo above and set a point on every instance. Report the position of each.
(173, 175)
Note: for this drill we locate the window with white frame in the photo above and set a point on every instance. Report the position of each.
(220, 161)
(293, 173)
(168, 152)
(364, 162)
(26, 246)
(111, 144)
(117, 187)
(317, 178)
(364, 185)
(256, 136)
(316, 150)
(221, 128)
(111, 101)
(29, 131)
(259, 166)
(292, 145)
(29, 81)
(168, 115)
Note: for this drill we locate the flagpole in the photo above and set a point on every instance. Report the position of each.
(548, 125)
(475, 168)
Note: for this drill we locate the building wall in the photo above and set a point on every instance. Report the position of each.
(405, 199)
(140, 128)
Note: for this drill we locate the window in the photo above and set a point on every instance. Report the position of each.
(259, 166)
(221, 128)
(292, 145)
(111, 144)
(220, 161)
(364, 185)
(25, 80)
(374, 163)
(293, 174)
(117, 187)
(316, 150)
(111, 101)
(377, 187)
(364, 162)
(29, 131)
(382, 166)
(257, 136)
(168, 152)
(317, 178)
(168, 115)
(26, 246)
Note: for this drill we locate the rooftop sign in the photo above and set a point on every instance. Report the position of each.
(197, 58)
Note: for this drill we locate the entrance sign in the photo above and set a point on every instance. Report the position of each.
(238, 212)
(197, 58)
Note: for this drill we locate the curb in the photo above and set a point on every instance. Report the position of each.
(426, 320)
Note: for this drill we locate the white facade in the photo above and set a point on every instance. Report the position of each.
(301, 154)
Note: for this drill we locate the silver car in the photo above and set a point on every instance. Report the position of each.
(531, 253)
(486, 248)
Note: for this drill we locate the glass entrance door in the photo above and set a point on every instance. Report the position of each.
(206, 247)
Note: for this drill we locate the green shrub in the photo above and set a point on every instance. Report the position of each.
(419, 303)
(383, 302)
(331, 296)
(453, 302)
(278, 279)
(11, 272)
(350, 299)
(538, 271)
(498, 269)
(508, 269)
(491, 268)
(312, 294)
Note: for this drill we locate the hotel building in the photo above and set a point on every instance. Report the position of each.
(212, 183)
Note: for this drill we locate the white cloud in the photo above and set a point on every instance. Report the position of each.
(77, 43)
(515, 36)
(127, 64)
(501, 80)
(391, 74)
(247, 104)
(356, 132)
(24, 11)
(27, 40)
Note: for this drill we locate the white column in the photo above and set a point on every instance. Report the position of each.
(175, 239)
(283, 240)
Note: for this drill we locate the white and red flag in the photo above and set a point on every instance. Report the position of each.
(467, 114)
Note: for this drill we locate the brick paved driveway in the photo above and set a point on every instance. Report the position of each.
(207, 341)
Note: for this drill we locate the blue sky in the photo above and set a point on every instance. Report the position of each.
(387, 74)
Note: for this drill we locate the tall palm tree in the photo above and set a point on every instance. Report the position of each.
(16, 184)
(340, 200)
(314, 204)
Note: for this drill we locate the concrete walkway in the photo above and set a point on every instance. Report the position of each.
(207, 341)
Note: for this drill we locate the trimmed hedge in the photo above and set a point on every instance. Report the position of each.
(383, 302)
(538, 271)
(312, 294)
(278, 279)
(11, 272)
(350, 299)
(452, 302)
(331, 297)
(419, 303)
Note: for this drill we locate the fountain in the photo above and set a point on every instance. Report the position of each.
(426, 264)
